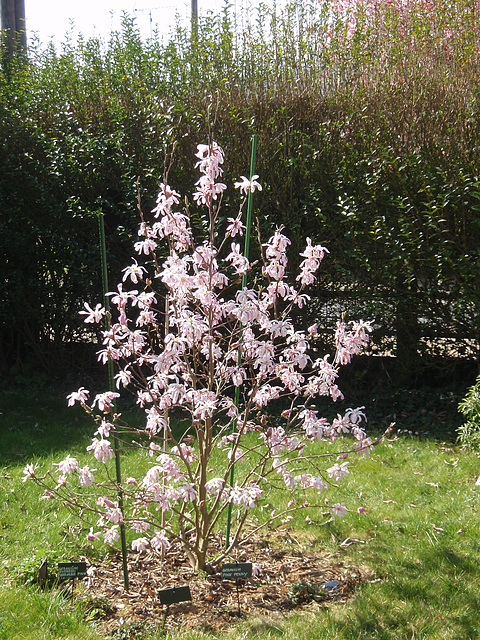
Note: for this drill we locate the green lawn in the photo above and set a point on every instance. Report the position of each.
(419, 535)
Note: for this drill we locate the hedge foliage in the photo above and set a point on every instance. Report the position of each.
(368, 141)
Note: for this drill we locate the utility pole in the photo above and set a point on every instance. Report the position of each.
(13, 25)
(195, 18)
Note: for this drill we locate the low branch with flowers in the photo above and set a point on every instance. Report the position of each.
(188, 339)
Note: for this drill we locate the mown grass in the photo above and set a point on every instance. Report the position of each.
(418, 535)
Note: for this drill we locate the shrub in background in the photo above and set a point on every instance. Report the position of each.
(469, 431)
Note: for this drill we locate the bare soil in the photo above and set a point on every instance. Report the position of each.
(291, 580)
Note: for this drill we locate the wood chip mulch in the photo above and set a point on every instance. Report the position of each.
(291, 580)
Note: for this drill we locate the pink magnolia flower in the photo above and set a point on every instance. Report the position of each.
(236, 454)
(111, 535)
(215, 486)
(239, 262)
(67, 466)
(102, 449)
(91, 536)
(29, 472)
(339, 510)
(146, 246)
(85, 476)
(166, 198)
(104, 429)
(338, 471)
(245, 185)
(104, 401)
(208, 190)
(365, 446)
(188, 492)
(134, 272)
(211, 157)
(204, 403)
(356, 415)
(140, 526)
(186, 452)
(140, 544)
(103, 501)
(235, 226)
(275, 248)
(78, 396)
(160, 541)
(114, 515)
(62, 481)
(93, 315)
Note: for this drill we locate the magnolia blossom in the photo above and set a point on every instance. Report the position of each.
(140, 544)
(134, 272)
(91, 536)
(207, 190)
(146, 246)
(185, 452)
(239, 262)
(235, 226)
(104, 429)
(160, 542)
(78, 396)
(338, 471)
(67, 466)
(245, 185)
(188, 492)
(111, 535)
(85, 476)
(313, 256)
(93, 315)
(166, 198)
(29, 472)
(215, 486)
(211, 157)
(339, 510)
(102, 449)
(104, 401)
(245, 496)
(114, 515)
(351, 343)
(356, 415)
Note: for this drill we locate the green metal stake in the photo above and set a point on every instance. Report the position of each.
(116, 444)
(246, 253)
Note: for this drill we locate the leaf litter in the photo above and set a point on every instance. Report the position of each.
(291, 579)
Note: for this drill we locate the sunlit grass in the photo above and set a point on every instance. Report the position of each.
(418, 537)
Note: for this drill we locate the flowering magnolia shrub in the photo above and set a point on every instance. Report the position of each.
(189, 341)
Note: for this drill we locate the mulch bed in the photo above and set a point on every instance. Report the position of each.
(291, 580)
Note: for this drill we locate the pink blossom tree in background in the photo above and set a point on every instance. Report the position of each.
(369, 40)
(187, 340)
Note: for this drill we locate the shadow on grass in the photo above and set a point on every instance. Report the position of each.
(37, 424)
(40, 424)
